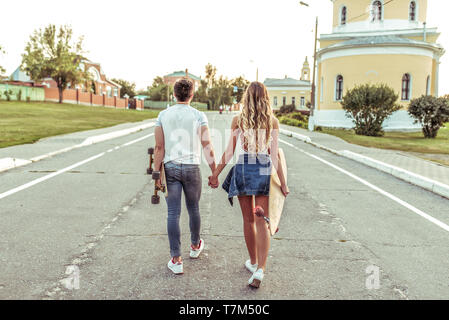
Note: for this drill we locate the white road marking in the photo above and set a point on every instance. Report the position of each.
(73, 166)
(388, 195)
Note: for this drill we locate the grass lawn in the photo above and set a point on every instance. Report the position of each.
(22, 122)
(413, 142)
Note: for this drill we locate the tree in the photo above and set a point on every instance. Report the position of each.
(211, 73)
(241, 84)
(127, 88)
(160, 91)
(51, 53)
(368, 106)
(431, 112)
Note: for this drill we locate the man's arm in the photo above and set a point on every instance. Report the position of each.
(159, 149)
(208, 148)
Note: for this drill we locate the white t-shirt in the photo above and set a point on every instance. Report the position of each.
(181, 125)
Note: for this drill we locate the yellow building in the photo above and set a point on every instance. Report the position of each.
(376, 41)
(290, 91)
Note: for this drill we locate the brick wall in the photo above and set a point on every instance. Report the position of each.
(77, 96)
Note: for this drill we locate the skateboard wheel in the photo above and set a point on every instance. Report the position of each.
(151, 151)
(149, 171)
(156, 175)
(155, 199)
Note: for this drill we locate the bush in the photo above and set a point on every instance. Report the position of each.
(368, 106)
(287, 109)
(296, 116)
(293, 122)
(431, 113)
(28, 99)
(19, 95)
(8, 94)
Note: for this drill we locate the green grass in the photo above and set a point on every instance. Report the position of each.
(403, 141)
(22, 122)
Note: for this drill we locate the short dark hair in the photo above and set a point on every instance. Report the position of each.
(183, 89)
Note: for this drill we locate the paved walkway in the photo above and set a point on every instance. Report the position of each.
(396, 158)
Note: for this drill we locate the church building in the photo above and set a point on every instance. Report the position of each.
(376, 41)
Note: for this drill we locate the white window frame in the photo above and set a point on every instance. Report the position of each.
(382, 13)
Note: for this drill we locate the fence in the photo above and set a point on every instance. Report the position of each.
(149, 104)
(33, 93)
(76, 96)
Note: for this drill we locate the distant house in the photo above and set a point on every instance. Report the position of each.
(173, 77)
(99, 83)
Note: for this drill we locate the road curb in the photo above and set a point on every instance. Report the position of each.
(11, 163)
(413, 178)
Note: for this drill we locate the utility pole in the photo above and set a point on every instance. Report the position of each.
(313, 102)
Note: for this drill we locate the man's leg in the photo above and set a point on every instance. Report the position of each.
(192, 184)
(174, 212)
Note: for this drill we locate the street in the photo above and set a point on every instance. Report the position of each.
(90, 208)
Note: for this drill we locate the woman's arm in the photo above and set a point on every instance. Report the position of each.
(228, 154)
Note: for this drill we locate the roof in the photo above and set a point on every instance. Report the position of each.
(19, 75)
(286, 82)
(182, 74)
(381, 40)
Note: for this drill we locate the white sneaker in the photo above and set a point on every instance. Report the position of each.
(251, 267)
(256, 278)
(195, 253)
(176, 268)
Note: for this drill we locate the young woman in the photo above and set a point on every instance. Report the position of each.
(255, 131)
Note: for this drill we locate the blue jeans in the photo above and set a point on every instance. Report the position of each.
(180, 177)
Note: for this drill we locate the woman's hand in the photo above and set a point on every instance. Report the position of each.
(213, 181)
(285, 190)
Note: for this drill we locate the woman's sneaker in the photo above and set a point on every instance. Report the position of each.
(256, 279)
(176, 268)
(195, 253)
(251, 267)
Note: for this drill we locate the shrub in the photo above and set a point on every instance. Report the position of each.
(287, 109)
(28, 99)
(293, 122)
(368, 106)
(431, 113)
(19, 95)
(8, 94)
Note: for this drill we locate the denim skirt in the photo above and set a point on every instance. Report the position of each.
(250, 176)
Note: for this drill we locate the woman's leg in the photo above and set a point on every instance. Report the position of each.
(249, 228)
(262, 233)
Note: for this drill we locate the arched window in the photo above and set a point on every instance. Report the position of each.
(343, 16)
(339, 88)
(428, 86)
(376, 10)
(405, 87)
(412, 13)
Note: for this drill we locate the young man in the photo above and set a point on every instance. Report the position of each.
(180, 133)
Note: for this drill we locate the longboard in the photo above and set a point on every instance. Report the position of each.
(155, 199)
(276, 198)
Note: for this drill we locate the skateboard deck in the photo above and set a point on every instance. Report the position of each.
(276, 199)
(163, 180)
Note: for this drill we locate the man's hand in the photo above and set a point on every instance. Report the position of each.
(213, 182)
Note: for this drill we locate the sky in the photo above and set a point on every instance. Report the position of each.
(138, 40)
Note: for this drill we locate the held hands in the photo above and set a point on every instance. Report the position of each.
(213, 181)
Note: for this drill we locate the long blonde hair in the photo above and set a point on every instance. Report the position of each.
(255, 120)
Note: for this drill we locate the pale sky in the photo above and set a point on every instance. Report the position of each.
(138, 40)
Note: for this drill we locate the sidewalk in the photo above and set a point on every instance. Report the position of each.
(24, 154)
(414, 170)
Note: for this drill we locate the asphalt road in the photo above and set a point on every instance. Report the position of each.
(89, 211)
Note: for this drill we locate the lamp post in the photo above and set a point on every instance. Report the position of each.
(312, 98)
(257, 70)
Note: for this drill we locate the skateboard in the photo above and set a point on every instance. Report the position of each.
(156, 175)
(276, 198)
